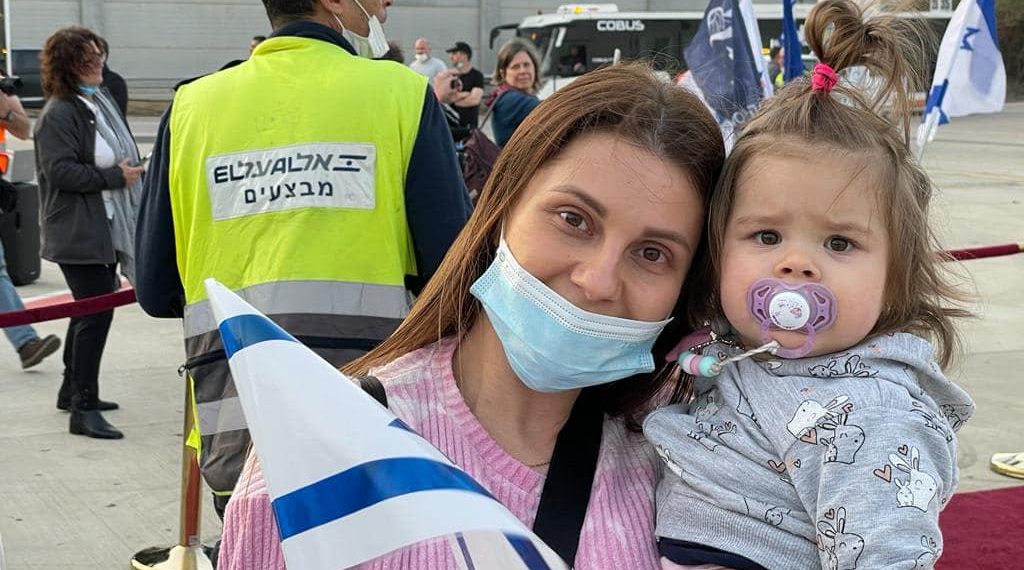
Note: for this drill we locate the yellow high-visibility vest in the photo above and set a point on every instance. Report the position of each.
(287, 176)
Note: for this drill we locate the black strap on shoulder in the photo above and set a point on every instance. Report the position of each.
(566, 494)
(373, 387)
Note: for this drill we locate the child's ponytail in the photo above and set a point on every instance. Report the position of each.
(887, 44)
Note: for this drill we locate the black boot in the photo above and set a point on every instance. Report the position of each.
(64, 404)
(64, 394)
(90, 423)
(64, 398)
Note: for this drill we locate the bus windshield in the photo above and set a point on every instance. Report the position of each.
(541, 39)
(575, 48)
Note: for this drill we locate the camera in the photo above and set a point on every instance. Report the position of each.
(456, 83)
(10, 85)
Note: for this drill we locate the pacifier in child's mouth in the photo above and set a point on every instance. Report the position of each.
(808, 308)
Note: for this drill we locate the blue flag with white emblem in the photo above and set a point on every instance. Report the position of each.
(347, 479)
(722, 66)
(969, 74)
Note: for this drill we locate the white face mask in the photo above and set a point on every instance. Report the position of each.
(421, 57)
(372, 46)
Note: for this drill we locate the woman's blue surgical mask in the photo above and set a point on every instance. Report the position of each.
(88, 90)
(553, 345)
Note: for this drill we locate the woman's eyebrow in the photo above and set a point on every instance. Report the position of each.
(587, 199)
(668, 235)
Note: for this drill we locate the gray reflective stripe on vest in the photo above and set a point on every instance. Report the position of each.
(221, 416)
(310, 297)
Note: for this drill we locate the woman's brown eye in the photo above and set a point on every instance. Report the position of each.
(652, 254)
(573, 219)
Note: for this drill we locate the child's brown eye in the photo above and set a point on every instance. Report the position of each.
(839, 244)
(768, 237)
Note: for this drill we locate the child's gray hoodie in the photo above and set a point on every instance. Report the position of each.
(841, 461)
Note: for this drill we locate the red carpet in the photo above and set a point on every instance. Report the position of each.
(984, 530)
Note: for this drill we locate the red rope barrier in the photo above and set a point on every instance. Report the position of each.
(986, 251)
(68, 309)
(126, 296)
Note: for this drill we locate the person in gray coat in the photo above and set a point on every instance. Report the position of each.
(86, 164)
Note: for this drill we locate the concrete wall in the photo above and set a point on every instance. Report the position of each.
(155, 43)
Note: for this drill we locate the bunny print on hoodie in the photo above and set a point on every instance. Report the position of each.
(845, 452)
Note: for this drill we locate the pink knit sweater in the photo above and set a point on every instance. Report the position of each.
(618, 532)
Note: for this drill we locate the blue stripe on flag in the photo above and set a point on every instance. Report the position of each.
(363, 486)
(246, 330)
(528, 552)
(398, 423)
(935, 99)
(465, 551)
(988, 11)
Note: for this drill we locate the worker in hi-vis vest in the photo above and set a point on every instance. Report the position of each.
(321, 185)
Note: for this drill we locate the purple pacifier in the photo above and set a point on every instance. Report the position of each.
(808, 308)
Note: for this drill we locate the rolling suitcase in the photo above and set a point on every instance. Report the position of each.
(19, 231)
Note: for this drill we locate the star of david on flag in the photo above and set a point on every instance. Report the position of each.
(969, 75)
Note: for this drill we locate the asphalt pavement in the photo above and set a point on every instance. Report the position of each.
(72, 502)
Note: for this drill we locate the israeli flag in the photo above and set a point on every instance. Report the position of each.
(969, 74)
(347, 479)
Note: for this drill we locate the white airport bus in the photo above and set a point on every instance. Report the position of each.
(578, 38)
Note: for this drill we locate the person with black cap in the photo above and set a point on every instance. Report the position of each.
(471, 88)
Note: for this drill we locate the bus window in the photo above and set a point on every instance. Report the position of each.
(572, 60)
(662, 43)
(541, 38)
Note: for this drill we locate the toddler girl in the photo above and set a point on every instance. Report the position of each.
(827, 437)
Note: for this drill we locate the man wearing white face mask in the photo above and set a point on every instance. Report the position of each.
(423, 63)
(320, 184)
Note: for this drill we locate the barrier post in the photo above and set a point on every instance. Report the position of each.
(188, 554)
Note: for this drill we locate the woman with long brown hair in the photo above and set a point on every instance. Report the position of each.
(568, 284)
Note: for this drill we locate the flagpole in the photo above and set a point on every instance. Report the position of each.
(931, 123)
(931, 120)
(188, 554)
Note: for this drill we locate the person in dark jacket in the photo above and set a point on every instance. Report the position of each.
(79, 163)
(113, 81)
(517, 77)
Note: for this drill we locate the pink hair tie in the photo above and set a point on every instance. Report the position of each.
(823, 78)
